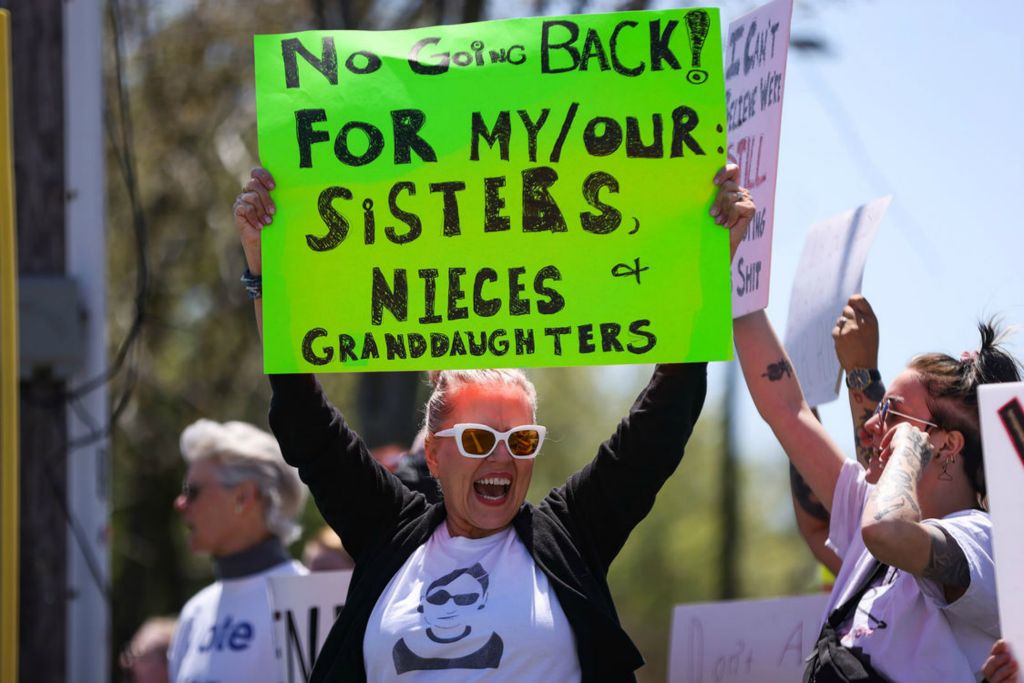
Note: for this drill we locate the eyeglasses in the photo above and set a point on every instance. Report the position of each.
(190, 491)
(462, 600)
(479, 441)
(885, 408)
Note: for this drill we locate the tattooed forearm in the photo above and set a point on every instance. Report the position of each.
(896, 493)
(947, 563)
(900, 483)
(864, 456)
(805, 497)
(776, 371)
(863, 438)
(920, 448)
(885, 512)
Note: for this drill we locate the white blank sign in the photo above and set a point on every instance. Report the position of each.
(304, 609)
(831, 270)
(744, 641)
(1002, 440)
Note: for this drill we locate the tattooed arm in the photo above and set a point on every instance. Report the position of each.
(861, 409)
(812, 520)
(892, 527)
(856, 340)
(776, 392)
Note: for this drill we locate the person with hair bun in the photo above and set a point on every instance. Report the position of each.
(482, 585)
(239, 502)
(915, 598)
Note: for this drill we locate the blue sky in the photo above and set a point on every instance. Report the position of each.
(915, 99)
(918, 100)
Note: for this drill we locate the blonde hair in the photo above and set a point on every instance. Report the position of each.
(439, 405)
(242, 452)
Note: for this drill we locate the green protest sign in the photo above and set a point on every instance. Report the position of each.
(529, 192)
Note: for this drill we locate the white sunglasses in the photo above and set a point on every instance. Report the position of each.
(479, 441)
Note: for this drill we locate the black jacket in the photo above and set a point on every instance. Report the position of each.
(573, 535)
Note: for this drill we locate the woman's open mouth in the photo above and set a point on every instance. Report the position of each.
(492, 490)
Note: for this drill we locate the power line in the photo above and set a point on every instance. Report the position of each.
(125, 364)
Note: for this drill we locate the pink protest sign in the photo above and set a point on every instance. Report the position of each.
(755, 75)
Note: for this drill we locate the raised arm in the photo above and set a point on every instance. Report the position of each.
(856, 339)
(614, 492)
(611, 495)
(357, 497)
(892, 525)
(776, 392)
(812, 519)
(254, 210)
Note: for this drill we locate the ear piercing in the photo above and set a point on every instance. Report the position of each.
(945, 475)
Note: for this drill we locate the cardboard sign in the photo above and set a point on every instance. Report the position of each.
(755, 78)
(304, 609)
(755, 641)
(831, 270)
(529, 192)
(1001, 407)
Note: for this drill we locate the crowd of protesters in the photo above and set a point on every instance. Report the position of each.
(456, 575)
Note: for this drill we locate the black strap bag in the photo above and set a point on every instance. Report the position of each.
(833, 662)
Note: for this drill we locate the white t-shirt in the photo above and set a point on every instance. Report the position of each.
(225, 632)
(463, 609)
(905, 623)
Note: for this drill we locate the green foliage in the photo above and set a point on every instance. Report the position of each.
(188, 82)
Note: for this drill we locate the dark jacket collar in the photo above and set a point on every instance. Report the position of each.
(252, 560)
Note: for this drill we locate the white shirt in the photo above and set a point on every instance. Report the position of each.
(225, 632)
(905, 624)
(463, 609)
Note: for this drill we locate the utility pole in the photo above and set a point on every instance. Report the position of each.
(88, 454)
(58, 166)
(729, 493)
(38, 110)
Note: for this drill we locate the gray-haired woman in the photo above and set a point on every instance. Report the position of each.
(239, 501)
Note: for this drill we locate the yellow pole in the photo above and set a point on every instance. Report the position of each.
(8, 374)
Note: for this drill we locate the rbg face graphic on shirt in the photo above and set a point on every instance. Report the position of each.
(456, 634)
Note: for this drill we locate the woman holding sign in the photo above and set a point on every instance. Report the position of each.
(482, 584)
(915, 598)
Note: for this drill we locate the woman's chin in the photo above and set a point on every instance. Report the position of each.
(490, 516)
(197, 545)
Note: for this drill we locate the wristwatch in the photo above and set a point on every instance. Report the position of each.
(868, 381)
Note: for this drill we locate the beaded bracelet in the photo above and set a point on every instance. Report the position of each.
(253, 284)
